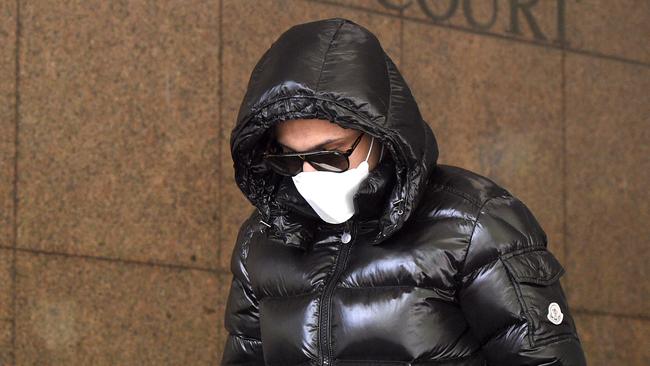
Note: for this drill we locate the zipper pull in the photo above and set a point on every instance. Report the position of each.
(348, 231)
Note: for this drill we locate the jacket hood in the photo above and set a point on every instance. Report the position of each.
(333, 69)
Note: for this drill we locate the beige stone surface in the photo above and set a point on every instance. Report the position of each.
(8, 15)
(119, 130)
(608, 203)
(6, 305)
(382, 6)
(247, 33)
(6, 261)
(223, 281)
(76, 311)
(613, 28)
(613, 340)
(6, 348)
(7, 120)
(495, 107)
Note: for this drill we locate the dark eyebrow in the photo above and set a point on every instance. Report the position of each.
(319, 146)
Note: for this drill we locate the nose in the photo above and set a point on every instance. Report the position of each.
(306, 167)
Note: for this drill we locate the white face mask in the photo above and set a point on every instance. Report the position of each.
(331, 194)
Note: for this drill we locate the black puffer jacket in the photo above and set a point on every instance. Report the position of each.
(444, 267)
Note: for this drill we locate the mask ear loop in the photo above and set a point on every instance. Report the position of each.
(369, 150)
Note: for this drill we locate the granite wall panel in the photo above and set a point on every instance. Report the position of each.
(381, 6)
(7, 120)
(127, 205)
(8, 97)
(618, 29)
(6, 263)
(77, 311)
(613, 339)
(6, 306)
(119, 130)
(608, 165)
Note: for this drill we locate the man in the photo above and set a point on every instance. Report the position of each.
(361, 249)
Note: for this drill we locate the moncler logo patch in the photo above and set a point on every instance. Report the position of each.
(554, 313)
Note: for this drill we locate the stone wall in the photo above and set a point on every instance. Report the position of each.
(118, 207)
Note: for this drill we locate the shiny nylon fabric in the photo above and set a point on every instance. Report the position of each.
(444, 266)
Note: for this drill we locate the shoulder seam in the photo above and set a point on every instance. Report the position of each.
(474, 225)
(459, 193)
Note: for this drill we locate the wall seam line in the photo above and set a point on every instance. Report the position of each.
(14, 301)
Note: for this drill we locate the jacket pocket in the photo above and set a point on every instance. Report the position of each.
(536, 277)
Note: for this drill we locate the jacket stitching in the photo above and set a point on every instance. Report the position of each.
(492, 335)
(326, 52)
(471, 236)
(522, 251)
(245, 337)
(433, 219)
(556, 339)
(444, 360)
(391, 286)
(289, 296)
(462, 194)
(520, 299)
(537, 247)
(554, 275)
(344, 361)
(432, 288)
(542, 281)
(414, 362)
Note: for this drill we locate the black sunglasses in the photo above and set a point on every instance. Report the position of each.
(291, 164)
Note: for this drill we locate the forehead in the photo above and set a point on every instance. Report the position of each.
(311, 134)
(309, 129)
(307, 126)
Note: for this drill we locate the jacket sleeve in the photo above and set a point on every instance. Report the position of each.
(510, 293)
(243, 344)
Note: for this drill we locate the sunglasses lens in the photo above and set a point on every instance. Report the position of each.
(289, 165)
(329, 162)
(292, 165)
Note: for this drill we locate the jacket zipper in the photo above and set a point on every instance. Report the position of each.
(326, 297)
